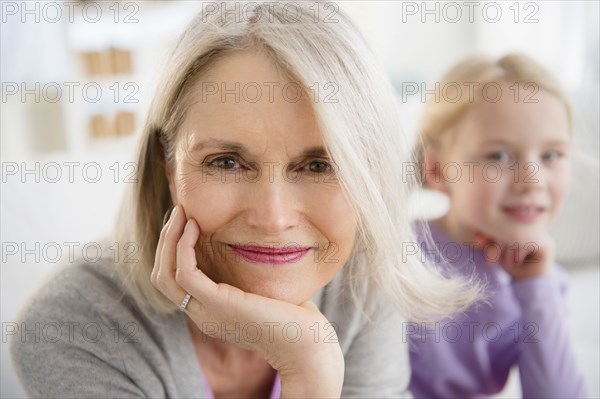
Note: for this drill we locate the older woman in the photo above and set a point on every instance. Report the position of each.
(274, 140)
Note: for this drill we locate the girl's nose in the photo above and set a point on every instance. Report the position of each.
(272, 205)
(530, 176)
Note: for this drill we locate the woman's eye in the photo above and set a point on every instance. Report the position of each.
(319, 167)
(226, 163)
(499, 156)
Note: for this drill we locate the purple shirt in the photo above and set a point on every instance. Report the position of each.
(523, 323)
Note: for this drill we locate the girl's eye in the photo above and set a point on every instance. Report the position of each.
(551, 156)
(319, 167)
(227, 163)
(499, 156)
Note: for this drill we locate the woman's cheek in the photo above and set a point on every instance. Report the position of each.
(209, 203)
(331, 213)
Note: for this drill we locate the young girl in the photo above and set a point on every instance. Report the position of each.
(497, 142)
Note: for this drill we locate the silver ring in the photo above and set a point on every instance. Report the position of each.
(185, 302)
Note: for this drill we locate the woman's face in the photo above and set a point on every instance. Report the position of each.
(251, 169)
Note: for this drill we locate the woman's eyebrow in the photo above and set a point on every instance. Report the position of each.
(226, 145)
(316, 152)
(220, 144)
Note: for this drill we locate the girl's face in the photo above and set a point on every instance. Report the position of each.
(251, 169)
(506, 166)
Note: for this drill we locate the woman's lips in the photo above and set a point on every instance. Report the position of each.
(523, 213)
(270, 255)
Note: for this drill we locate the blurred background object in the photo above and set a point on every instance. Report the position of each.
(77, 78)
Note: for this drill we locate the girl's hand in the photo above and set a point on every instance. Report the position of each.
(520, 260)
(291, 338)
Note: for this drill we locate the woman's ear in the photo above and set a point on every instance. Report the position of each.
(433, 177)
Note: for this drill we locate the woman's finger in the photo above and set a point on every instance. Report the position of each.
(221, 297)
(187, 272)
(165, 278)
(174, 231)
(193, 280)
(223, 311)
(160, 245)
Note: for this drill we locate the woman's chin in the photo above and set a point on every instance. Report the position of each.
(281, 292)
(287, 287)
(289, 296)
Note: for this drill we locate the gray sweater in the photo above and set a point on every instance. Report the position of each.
(82, 336)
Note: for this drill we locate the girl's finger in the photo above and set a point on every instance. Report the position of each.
(522, 254)
(480, 240)
(491, 250)
(507, 260)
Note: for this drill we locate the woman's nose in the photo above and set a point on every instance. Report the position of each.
(272, 205)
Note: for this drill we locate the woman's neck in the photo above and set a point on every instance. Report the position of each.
(223, 349)
(231, 371)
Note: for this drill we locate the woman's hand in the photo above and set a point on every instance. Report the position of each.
(291, 338)
(520, 260)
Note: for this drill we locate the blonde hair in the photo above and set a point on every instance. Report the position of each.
(360, 130)
(478, 71)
